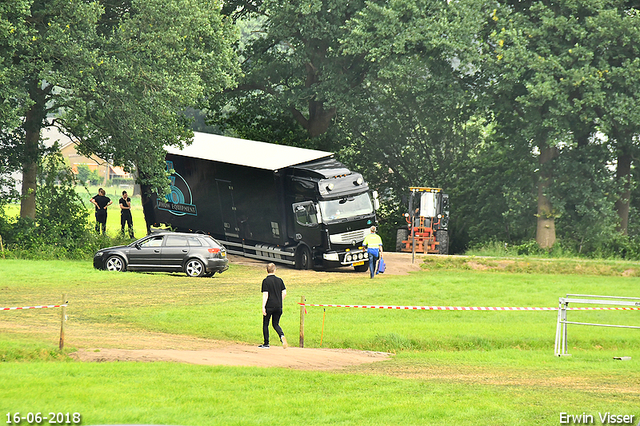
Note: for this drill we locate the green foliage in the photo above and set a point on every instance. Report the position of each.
(9, 162)
(61, 216)
(294, 70)
(155, 60)
(60, 225)
(87, 176)
(584, 195)
(117, 76)
(493, 196)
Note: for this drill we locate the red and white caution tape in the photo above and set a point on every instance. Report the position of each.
(33, 307)
(472, 308)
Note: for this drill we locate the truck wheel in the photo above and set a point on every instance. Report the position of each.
(303, 258)
(442, 238)
(401, 235)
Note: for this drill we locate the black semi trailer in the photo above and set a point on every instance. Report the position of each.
(278, 203)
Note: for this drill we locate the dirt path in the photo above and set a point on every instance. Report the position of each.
(241, 355)
(396, 263)
(120, 344)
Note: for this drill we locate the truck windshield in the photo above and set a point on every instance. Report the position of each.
(346, 207)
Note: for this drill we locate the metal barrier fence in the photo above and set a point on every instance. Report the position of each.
(560, 348)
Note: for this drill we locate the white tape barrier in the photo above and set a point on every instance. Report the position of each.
(471, 308)
(33, 307)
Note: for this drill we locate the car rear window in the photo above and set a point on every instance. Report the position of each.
(194, 242)
(175, 241)
(208, 240)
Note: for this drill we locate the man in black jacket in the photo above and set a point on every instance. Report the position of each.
(101, 202)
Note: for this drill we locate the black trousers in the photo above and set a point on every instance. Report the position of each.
(101, 221)
(273, 315)
(125, 218)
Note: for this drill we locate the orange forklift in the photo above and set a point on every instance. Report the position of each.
(427, 229)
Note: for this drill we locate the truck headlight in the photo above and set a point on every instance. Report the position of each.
(332, 257)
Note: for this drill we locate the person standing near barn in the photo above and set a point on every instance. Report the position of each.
(373, 244)
(125, 213)
(273, 293)
(101, 202)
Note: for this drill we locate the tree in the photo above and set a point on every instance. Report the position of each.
(413, 114)
(548, 83)
(616, 30)
(293, 64)
(116, 77)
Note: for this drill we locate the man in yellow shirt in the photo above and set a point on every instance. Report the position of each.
(373, 243)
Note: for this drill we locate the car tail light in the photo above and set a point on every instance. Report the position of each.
(214, 250)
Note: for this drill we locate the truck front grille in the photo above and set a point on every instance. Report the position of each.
(349, 237)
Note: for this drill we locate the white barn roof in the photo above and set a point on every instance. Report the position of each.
(260, 155)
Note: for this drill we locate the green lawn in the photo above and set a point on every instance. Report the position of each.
(476, 368)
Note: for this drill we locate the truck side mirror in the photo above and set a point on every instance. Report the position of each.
(376, 201)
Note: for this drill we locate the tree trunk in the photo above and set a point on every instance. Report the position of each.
(33, 126)
(546, 229)
(623, 178)
(319, 117)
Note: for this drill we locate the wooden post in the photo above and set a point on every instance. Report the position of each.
(302, 308)
(64, 314)
(2, 247)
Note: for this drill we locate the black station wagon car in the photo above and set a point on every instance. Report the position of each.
(197, 255)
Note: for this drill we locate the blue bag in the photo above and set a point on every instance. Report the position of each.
(381, 266)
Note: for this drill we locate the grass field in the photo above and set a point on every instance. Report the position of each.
(449, 368)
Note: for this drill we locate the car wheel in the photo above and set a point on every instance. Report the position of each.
(194, 268)
(115, 263)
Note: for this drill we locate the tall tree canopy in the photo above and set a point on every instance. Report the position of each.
(416, 113)
(561, 73)
(116, 76)
(293, 65)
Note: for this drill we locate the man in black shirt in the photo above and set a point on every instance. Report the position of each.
(273, 292)
(125, 213)
(101, 202)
